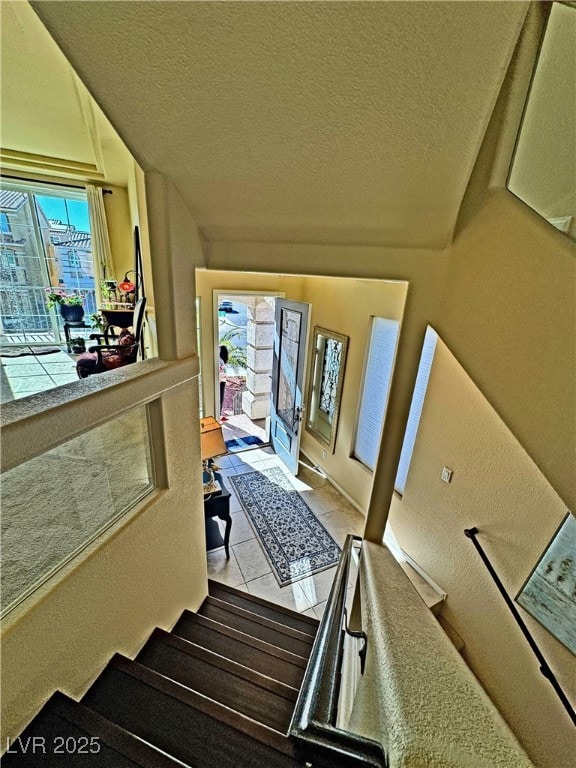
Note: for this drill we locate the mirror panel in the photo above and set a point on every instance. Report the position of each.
(543, 169)
(325, 385)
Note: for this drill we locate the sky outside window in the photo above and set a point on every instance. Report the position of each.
(74, 212)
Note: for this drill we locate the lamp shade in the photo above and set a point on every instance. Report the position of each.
(211, 438)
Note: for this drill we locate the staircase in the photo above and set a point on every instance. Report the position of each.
(219, 690)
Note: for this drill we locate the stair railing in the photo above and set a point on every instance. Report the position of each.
(313, 722)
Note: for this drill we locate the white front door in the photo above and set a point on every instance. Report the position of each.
(287, 398)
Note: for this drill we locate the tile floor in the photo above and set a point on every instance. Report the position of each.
(26, 375)
(248, 567)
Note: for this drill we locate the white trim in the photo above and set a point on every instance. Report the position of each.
(340, 490)
(424, 575)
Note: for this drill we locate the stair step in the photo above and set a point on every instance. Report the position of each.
(268, 610)
(225, 681)
(262, 657)
(65, 733)
(183, 723)
(262, 628)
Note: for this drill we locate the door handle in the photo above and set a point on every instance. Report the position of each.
(298, 416)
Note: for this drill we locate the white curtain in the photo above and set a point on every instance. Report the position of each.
(101, 253)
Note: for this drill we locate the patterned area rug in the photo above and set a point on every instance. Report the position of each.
(295, 541)
(21, 351)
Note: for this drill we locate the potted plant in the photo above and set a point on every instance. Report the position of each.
(69, 304)
(78, 345)
(98, 321)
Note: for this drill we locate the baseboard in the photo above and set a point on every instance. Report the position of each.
(340, 490)
(424, 575)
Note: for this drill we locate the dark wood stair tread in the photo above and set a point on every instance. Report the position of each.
(228, 682)
(183, 723)
(230, 643)
(72, 735)
(265, 608)
(257, 626)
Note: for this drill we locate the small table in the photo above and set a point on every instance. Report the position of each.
(67, 326)
(121, 318)
(218, 505)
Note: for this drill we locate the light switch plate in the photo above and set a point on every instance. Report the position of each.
(446, 474)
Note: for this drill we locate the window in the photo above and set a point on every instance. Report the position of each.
(44, 242)
(374, 400)
(543, 169)
(418, 396)
(379, 365)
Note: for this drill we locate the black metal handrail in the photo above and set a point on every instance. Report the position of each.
(472, 533)
(313, 722)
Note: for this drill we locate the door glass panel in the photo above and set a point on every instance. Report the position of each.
(289, 346)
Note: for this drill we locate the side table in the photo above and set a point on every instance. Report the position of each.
(218, 505)
(67, 326)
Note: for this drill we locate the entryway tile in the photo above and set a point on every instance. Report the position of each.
(317, 587)
(241, 529)
(340, 522)
(267, 588)
(251, 559)
(226, 571)
(311, 477)
(318, 610)
(319, 502)
(241, 469)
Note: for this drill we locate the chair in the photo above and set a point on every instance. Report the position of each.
(107, 357)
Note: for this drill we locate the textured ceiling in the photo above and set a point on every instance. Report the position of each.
(317, 121)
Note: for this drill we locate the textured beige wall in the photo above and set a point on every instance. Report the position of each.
(346, 306)
(118, 220)
(176, 253)
(509, 315)
(152, 568)
(497, 488)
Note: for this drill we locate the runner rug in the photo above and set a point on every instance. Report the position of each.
(294, 540)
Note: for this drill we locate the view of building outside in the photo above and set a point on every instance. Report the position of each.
(232, 333)
(45, 242)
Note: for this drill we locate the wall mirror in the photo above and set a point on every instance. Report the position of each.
(325, 385)
(543, 170)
